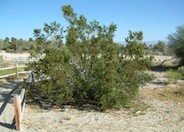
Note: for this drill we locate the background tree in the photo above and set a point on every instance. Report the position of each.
(16, 45)
(30, 40)
(7, 40)
(160, 46)
(5, 44)
(90, 67)
(176, 42)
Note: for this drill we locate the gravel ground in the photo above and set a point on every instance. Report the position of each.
(160, 116)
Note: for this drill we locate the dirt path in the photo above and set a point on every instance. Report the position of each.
(7, 91)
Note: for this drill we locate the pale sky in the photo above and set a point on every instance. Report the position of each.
(156, 18)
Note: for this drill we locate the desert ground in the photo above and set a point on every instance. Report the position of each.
(157, 109)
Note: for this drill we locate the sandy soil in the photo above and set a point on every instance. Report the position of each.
(160, 115)
(25, 56)
(18, 56)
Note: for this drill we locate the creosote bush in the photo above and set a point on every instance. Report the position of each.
(87, 65)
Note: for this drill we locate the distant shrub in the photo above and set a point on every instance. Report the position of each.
(181, 71)
(180, 92)
(173, 76)
(144, 78)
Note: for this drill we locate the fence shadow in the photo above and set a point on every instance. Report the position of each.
(6, 99)
(10, 126)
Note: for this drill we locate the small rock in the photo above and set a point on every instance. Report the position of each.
(67, 118)
(66, 110)
(137, 113)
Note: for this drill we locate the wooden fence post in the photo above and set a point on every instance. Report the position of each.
(22, 102)
(17, 105)
(17, 72)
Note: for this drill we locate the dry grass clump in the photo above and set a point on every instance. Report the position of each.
(3, 80)
(165, 64)
(173, 93)
(180, 92)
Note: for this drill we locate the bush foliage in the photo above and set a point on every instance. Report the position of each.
(87, 65)
(181, 71)
(173, 76)
(176, 42)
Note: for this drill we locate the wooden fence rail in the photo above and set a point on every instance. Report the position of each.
(19, 104)
(16, 72)
(12, 67)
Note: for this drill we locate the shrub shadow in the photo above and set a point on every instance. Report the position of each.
(162, 68)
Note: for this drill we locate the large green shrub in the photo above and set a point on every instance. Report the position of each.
(90, 66)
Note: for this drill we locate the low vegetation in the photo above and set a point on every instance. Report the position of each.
(180, 91)
(3, 63)
(175, 75)
(170, 93)
(181, 71)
